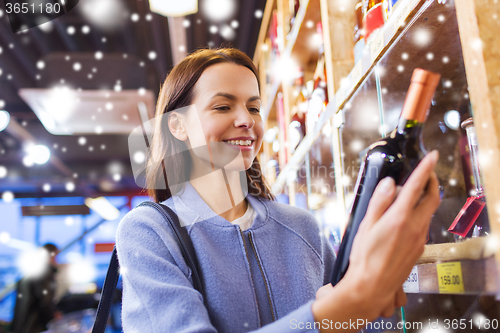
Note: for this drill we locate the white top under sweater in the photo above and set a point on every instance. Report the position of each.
(246, 220)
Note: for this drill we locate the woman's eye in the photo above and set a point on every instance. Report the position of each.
(222, 108)
(256, 110)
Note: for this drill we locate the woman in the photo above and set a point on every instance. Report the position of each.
(265, 265)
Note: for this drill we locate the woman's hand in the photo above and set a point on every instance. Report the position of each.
(392, 236)
(388, 242)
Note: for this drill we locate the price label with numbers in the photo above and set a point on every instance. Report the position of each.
(411, 284)
(450, 278)
(377, 45)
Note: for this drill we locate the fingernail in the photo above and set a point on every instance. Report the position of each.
(434, 156)
(386, 185)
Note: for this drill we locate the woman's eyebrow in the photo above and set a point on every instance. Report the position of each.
(226, 95)
(254, 98)
(233, 98)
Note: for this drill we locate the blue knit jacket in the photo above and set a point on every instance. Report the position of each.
(263, 279)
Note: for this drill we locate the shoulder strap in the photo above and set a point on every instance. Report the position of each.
(183, 239)
(112, 275)
(108, 290)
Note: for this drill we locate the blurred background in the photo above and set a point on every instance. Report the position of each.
(69, 95)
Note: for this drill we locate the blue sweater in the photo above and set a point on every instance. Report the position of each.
(263, 279)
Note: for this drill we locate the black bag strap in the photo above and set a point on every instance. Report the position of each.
(108, 290)
(187, 249)
(183, 239)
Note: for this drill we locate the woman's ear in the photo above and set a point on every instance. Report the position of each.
(176, 126)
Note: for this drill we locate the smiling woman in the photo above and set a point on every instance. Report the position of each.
(227, 91)
(263, 265)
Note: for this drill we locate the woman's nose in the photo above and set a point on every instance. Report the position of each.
(244, 118)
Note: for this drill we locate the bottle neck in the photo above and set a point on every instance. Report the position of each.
(410, 127)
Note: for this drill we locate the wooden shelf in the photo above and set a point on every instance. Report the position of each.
(470, 249)
(266, 19)
(295, 45)
(477, 277)
(300, 39)
(386, 37)
(473, 260)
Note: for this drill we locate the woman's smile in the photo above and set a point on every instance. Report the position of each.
(241, 143)
(228, 111)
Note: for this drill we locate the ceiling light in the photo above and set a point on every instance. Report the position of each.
(7, 196)
(39, 154)
(103, 207)
(70, 187)
(173, 7)
(105, 14)
(3, 171)
(27, 161)
(4, 119)
(219, 10)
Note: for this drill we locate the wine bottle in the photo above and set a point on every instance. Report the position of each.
(375, 17)
(396, 156)
(359, 40)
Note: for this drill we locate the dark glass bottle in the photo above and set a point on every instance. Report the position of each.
(395, 156)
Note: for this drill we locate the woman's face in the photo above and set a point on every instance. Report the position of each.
(226, 117)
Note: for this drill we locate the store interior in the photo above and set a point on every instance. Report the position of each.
(333, 79)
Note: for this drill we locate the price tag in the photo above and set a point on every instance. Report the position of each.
(376, 46)
(356, 73)
(411, 284)
(450, 278)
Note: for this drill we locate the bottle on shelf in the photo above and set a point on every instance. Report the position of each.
(282, 132)
(319, 95)
(391, 5)
(473, 213)
(294, 9)
(395, 156)
(359, 39)
(297, 128)
(303, 96)
(374, 17)
(274, 52)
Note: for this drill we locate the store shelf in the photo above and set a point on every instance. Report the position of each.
(473, 277)
(300, 152)
(470, 265)
(381, 42)
(308, 10)
(264, 26)
(470, 249)
(373, 52)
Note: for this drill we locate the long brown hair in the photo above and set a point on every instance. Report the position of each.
(176, 93)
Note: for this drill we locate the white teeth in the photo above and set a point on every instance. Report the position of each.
(240, 142)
